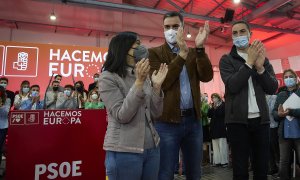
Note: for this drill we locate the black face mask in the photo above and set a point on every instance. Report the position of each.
(55, 88)
(79, 89)
(139, 53)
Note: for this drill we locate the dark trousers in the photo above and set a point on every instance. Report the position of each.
(274, 149)
(3, 133)
(286, 155)
(243, 138)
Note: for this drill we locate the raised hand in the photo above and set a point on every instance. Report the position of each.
(159, 76)
(253, 52)
(36, 99)
(184, 50)
(259, 63)
(142, 71)
(282, 112)
(202, 35)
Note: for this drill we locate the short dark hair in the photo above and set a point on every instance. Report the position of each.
(174, 14)
(116, 60)
(80, 82)
(216, 95)
(35, 85)
(4, 78)
(55, 82)
(69, 86)
(242, 22)
(58, 75)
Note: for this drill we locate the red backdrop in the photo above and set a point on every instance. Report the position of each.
(64, 144)
(37, 63)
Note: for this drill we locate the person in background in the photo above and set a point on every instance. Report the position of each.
(289, 127)
(4, 110)
(95, 83)
(248, 76)
(218, 131)
(205, 126)
(9, 94)
(58, 78)
(67, 99)
(133, 102)
(182, 106)
(51, 95)
(33, 102)
(94, 101)
(22, 95)
(80, 94)
(274, 145)
(205, 96)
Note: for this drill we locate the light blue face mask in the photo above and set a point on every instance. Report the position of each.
(67, 92)
(290, 82)
(34, 93)
(25, 89)
(241, 41)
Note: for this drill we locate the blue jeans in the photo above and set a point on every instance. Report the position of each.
(188, 136)
(133, 166)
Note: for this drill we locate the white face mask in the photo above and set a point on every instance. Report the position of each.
(170, 36)
(96, 79)
(94, 96)
(25, 89)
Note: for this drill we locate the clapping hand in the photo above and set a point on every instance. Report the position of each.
(159, 76)
(259, 63)
(202, 35)
(184, 50)
(142, 71)
(256, 54)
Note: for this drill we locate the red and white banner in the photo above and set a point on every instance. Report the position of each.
(37, 63)
(56, 144)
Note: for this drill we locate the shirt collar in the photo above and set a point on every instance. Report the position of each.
(173, 48)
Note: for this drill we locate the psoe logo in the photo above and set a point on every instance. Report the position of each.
(32, 118)
(17, 118)
(21, 61)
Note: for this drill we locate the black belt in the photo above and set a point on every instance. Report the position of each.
(186, 112)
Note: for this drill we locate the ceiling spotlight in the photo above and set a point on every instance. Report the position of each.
(52, 16)
(188, 35)
(236, 1)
